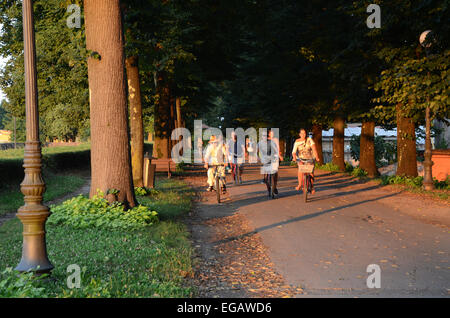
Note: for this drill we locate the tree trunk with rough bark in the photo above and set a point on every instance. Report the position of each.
(317, 137)
(172, 125)
(162, 119)
(367, 149)
(406, 145)
(283, 147)
(338, 143)
(110, 149)
(136, 123)
(178, 107)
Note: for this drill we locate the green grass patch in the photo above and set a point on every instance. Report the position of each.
(328, 167)
(415, 185)
(358, 172)
(18, 153)
(149, 262)
(171, 199)
(56, 186)
(54, 159)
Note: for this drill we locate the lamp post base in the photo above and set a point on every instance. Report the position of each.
(34, 251)
(33, 214)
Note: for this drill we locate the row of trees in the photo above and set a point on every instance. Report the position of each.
(318, 65)
(153, 56)
(139, 66)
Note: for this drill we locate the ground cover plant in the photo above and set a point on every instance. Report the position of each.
(150, 261)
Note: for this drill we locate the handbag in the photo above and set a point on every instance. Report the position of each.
(250, 147)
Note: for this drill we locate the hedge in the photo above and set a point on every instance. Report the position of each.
(12, 171)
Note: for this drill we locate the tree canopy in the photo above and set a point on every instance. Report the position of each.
(244, 63)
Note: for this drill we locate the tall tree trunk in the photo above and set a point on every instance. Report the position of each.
(110, 149)
(367, 149)
(178, 122)
(172, 125)
(136, 123)
(283, 146)
(162, 120)
(290, 145)
(178, 107)
(338, 143)
(317, 137)
(406, 145)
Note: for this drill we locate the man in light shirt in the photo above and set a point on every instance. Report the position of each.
(215, 155)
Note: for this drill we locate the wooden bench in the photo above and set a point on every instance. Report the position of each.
(163, 165)
(152, 165)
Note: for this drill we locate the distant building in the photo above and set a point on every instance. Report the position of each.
(5, 135)
(355, 129)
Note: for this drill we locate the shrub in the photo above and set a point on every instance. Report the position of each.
(20, 285)
(81, 212)
(11, 170)
(143, 191)
(358, 172)
(68, 160)
(328, 166)
(442, 185)
(416, 182)
(11, 164)
(180, 167)
(348, 167)
(410, 181)
(140, 191)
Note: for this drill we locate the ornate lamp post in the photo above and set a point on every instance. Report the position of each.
(427, 164)
(33, 214)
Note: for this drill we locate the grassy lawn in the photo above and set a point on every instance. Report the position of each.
(58, 181)
(56, 185)
(18, 153)
(152, 262)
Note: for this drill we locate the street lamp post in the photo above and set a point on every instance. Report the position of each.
(427, 164)
(33, 214)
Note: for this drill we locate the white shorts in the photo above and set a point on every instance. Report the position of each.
(270, 168)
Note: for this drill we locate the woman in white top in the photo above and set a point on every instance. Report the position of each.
(304, 148)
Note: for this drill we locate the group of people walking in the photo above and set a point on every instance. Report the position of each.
(234, 154)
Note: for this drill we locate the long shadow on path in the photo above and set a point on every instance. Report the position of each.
(301, 218)
(261, 195)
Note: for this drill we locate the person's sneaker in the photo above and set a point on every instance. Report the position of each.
(209, 189)
(275, 191)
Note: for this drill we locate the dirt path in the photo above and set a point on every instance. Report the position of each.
(250, 246)
(230, 263)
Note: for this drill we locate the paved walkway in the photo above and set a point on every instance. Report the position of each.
(326, 244)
